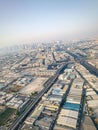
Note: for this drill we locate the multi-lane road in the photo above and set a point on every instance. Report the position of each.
(92, 69)
(20, 119)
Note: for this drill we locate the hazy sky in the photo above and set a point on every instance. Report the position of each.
(25, 21)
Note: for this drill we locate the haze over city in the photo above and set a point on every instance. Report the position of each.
(48, 64)
(26, 21)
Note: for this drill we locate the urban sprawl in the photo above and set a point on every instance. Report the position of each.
(49, 86)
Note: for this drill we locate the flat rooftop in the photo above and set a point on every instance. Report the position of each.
(59, 127)
(67, 121)
(69, 113)
(71, 106)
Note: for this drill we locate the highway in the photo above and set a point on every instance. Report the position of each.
(20, 119)
(92, 69)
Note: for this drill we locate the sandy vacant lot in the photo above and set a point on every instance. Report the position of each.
(36, 85)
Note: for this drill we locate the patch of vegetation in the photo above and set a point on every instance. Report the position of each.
(4, 116)
(1, 111)
(34, 93)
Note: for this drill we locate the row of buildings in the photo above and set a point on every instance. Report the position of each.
(69, 116)
(45, 114)
(91, 99)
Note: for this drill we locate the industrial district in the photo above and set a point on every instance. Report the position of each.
(49, 86)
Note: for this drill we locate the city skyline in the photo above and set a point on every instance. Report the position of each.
(40, 20)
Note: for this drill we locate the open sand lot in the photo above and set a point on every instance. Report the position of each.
(36, 85)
